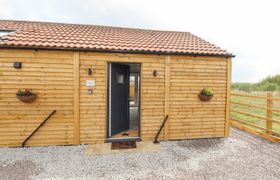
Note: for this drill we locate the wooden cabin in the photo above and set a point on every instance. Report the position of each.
(87, 73)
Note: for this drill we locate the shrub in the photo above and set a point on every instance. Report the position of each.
(207, 92)
(271, 83)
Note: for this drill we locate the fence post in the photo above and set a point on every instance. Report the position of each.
(269, 106)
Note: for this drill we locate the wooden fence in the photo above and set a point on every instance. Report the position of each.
(256, 114)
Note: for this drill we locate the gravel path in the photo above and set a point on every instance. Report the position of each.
(241, 156)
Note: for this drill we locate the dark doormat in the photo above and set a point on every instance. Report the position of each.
(123, 145)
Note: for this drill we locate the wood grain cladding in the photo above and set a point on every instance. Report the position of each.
(48, 73)
(190, 117)
(51, 75)
(93, 107)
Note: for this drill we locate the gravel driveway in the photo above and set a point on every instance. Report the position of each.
(241, 156)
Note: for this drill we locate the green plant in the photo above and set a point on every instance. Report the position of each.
(26, 92)
(270, 83)
(207, 91)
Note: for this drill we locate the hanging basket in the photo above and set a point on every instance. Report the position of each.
(203, 97)
(27, 98)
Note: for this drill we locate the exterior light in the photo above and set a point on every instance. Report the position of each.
(89, 71)
(17, 65)
(155, 73)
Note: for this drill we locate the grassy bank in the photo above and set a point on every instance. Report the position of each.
(270, 83)
(255, 111)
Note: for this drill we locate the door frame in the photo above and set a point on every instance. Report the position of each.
(108, 102)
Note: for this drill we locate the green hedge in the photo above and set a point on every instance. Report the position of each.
(270, 83)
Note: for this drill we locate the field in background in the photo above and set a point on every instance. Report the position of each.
(253, 110)
(270, 83)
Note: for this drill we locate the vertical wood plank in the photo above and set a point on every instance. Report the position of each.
(106, 129)
(167, 94)
(269, 105)
(140, 102)
(229, 66)
(76, 96)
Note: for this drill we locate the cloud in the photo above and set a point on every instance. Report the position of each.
(246, 28)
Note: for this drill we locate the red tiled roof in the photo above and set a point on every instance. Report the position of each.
(101, 38)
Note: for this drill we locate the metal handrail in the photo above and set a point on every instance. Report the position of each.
(162, 125)
(42, 123)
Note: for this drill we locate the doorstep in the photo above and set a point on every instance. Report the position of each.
(105, 148)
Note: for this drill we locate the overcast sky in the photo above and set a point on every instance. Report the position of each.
(248, 28)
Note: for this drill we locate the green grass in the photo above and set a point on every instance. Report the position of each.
(255, 111)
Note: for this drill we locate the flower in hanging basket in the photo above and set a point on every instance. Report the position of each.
(206, 94)
(26, 96)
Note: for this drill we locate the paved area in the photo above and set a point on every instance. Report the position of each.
(102, 149)
(241, 156)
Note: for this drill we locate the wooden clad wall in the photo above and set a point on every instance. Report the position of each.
(93, 110)
(190, 117)
(59, 78)
(48, 73)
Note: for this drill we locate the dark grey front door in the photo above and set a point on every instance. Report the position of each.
(119, 98)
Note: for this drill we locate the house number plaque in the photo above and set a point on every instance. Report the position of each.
(90, 83)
